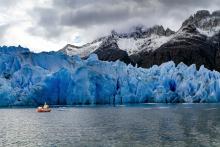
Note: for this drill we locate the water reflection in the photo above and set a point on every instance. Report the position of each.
(141, 125)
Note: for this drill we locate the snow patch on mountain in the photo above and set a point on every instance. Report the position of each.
(138, 39)
(82, 51)
(206, 23)
(209, 32)
(132, 45)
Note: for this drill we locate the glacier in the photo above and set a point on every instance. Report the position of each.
(29, 79)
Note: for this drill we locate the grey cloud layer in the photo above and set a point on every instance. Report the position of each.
(3, 29)
(94, 18)
(47, 22)
(87, 13)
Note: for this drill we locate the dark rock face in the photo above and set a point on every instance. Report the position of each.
(141, 32)
(188, 45)
(169, 32)
(216, 42)
(112, 54)
(203, 19)
(196, 50)
(109, 51)
(202, 14)
(158, 30)
(216, 13)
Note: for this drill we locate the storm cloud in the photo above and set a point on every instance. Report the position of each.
(57, 22)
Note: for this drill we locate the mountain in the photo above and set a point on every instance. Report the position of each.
(28, 78)
(122, 45)
(197, 41)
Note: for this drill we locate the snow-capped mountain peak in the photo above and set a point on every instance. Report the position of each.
(197, 41)
(206, 23)
(132, 42)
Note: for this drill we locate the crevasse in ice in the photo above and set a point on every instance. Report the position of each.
(28, 78)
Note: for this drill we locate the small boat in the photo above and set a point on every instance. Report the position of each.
(45, 108)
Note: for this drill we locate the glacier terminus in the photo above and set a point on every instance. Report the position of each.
(29, 79)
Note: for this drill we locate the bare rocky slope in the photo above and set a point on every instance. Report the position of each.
(196, 42)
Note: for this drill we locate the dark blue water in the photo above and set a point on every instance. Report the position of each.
(141, 125)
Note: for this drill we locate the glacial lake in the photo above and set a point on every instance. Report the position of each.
(144, 125)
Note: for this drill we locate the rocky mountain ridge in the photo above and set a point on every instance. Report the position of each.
(196, 42)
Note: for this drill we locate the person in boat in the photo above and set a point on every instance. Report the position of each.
(45, 106)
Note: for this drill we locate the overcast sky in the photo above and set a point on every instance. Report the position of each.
(45, 25)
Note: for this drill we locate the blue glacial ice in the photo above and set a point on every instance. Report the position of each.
(28, 78)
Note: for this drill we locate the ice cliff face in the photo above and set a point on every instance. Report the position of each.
(28, 78)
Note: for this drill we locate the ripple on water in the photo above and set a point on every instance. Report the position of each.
(160, 125)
